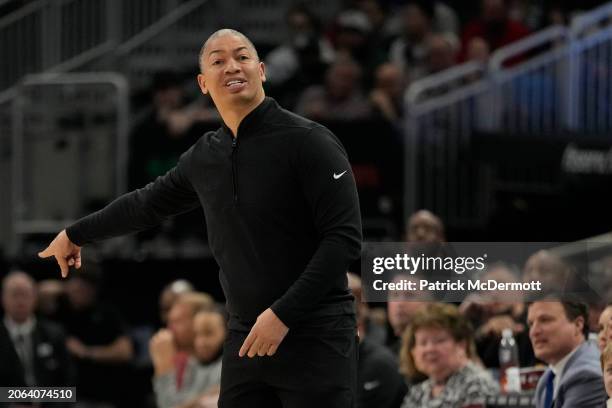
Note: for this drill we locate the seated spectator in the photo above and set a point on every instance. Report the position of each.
(494, 25)
(381, 32)
(478, 50)
(387, 96)
(177, 377)
(354, 38)
(558, 332)
(410, 50)
(210, 329)
(606, 366)
(170, 293)
(49, 300)
(425, 227)
(441, 52)
(32, 350)
(445, 19)
(439, 344)
(340, 99)
(492, 312)
(604, 334)
(373, 320)
(379, 383)
(155, 144)
(549, 269)
(402, 306)
(98, 341)
(301, 60)
(162, 133)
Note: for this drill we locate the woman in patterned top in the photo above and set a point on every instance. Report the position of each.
(439, 344)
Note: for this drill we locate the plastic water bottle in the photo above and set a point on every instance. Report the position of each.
(510, 376)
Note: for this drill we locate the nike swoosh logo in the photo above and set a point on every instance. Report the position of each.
(370, 385)
(337, 176)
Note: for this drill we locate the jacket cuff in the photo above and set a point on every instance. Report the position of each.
(283, 313)
(74, 236)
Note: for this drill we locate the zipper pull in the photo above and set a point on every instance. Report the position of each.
(234, 142)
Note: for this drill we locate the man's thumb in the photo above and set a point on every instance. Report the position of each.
(45, 253)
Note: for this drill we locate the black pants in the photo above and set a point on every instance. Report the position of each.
(314, 367)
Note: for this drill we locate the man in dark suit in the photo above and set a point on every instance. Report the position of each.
(34, 348)
(558, 332)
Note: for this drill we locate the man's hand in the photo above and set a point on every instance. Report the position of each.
(76, 347)
(265, 336)
(65, 252)
(163, 351)
(497, 324)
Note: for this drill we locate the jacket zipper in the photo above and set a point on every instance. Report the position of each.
(234, 176)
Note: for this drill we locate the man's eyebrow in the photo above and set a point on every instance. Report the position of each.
(244, 47)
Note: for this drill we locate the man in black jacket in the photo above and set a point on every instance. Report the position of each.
(32, 350)
(283, 221)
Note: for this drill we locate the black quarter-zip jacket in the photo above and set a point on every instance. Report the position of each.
(281, 207)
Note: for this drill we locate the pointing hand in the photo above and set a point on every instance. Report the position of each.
(66, 253)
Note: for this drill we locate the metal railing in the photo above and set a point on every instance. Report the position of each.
(61, 35)
(554, 81)
(531, 94)
(55, 36)
(5, 171)
(17, 29)
(591, 67)
(443, 111)
(69, 148)
(176, 37)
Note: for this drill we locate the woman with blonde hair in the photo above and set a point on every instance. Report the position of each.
(606, 366)
(439, 345)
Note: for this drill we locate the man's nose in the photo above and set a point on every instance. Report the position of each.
(232, 66)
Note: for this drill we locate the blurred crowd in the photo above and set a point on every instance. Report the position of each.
(414, 350)
(358, 63)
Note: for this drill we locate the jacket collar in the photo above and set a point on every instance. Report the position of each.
(254, 120)
(15, 329)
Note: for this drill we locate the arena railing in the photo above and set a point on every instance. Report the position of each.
(550, 82)
(62, 35)
(5, 167)
(531, 95)
(442, 112)
(590, 65)
(70, 136)
(176, 37)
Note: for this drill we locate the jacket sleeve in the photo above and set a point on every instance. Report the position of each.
(328, 184)
(168, 195)
(584, 390)
(166, 394)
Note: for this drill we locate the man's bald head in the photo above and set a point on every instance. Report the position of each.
(19, 296)
(221, 33)
(425, 226)
(18, 279)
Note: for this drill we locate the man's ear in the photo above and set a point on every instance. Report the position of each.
(580, 323)
(202, 84)
(262, 71)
